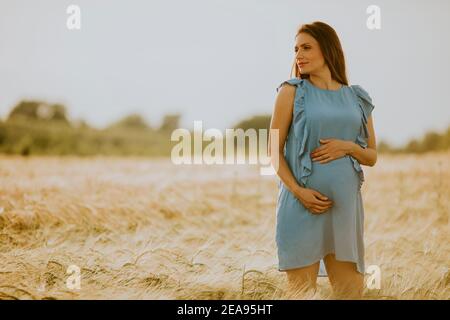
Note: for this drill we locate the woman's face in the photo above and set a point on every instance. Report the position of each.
(309, 57)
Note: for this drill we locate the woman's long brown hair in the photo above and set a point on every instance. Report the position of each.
(331, 48)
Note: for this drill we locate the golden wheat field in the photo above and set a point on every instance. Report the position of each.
(147, 229)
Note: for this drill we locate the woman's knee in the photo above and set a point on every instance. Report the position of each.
(302, 282)
(303, 276)
(345, 280)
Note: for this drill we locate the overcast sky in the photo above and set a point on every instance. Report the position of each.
(220, 61)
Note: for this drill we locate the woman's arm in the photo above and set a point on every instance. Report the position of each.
(281, 120)
(366, 156)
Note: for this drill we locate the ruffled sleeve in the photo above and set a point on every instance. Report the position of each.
(365, 107)
(300, 128)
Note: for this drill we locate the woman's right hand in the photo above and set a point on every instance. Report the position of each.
(313, 200)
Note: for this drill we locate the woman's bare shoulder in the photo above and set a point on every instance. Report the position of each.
(286, 93)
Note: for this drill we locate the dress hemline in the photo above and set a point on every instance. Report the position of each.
(309, 264)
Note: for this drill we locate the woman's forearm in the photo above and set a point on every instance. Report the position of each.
(285, 173)
(365, 156)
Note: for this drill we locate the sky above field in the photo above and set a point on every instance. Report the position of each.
(220, 61)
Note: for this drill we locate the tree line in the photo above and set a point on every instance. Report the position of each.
(41, 128)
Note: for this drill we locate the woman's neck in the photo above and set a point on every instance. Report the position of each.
(324, 82)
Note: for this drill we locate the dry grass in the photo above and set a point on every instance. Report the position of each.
(147, 229)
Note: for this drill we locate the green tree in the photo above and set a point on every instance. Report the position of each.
(132, 121)
(170, 122)
(256, 122)
(37, 110)
(25, 109)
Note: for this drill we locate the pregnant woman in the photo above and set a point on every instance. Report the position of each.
(325, 133)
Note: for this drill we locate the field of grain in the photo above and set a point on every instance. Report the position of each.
(146, 229)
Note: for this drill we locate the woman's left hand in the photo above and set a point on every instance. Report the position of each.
(331, 149)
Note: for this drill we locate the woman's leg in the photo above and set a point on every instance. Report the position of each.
(346, 281)
(302, 281)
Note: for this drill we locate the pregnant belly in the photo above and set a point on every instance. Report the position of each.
(337, 179)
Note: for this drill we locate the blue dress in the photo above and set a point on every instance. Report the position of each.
(304, 238)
